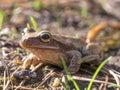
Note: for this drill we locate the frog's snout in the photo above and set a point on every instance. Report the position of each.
(24, 43)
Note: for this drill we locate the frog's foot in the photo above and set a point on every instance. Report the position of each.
(74, 67)
(30, 61)
(74, 56)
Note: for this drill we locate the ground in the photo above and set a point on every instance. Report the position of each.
(73, 18)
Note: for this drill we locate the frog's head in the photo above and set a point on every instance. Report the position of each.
(43, 45)
(38, 40)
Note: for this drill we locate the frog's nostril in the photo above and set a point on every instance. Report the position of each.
(23, 43)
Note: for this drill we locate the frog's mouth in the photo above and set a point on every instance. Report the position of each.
(44, 47)
(36, 46)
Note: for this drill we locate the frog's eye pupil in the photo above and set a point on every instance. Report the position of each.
(45, 37)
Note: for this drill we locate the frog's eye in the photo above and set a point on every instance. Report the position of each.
(45, 37)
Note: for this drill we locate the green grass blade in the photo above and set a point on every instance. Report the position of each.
(65, 66)
(28, 25)
(34, 23)
(96, 72)
(3, 16)
(74, 82)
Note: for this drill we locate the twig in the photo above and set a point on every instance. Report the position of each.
(106, 82)
(39, 65)
(21, 87)
(88, 79)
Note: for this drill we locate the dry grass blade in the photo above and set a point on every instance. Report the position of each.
(21, 87)
(116, 78)
(4, 79)
(8, 82)
(38, 66)
(88, 79)
(104, 86)
(106, 82)
(50, 74)
(23, 81)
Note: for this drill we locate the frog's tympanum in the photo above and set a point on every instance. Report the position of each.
(48, 48)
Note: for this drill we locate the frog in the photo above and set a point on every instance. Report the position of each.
(48, 48)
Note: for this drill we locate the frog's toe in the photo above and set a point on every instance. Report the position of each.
(74, 69)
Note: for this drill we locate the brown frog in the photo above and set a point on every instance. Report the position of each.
(48, 48)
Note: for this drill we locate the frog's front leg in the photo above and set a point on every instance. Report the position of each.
(30, 61)
(73, 56)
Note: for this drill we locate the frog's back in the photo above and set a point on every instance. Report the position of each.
(70, 42)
